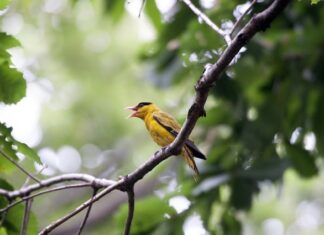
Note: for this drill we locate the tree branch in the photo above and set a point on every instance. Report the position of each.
(259, 22)
(95, 182)
(26, 216)
(37, 173)
(43, 192)
(207, 20)
(84, 221)
(87, 203)
(241, 18)
(131, 198)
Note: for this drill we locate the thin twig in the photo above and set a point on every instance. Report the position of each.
(131, 198)
(96, 182)
(141, 8)
(63, 219)
(19, 167)
(259, 22)
(241, 18)
(95, 190)
(26, 216)
(44, 192)
(37, 173)
(207, 20)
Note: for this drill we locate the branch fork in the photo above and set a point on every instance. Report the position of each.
(259, 22)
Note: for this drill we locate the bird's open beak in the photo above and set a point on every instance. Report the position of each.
(134, 109)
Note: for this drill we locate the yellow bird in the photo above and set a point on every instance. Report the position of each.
(163, 129)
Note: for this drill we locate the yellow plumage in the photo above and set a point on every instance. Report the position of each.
(163, 129)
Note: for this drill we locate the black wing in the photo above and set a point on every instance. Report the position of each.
(195, 151)
(193, 148)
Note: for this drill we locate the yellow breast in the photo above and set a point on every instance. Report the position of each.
(159, 134)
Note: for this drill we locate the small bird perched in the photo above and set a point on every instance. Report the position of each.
(164, 128)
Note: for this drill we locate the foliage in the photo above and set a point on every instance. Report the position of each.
(270, 101)
(12, 83)
(4, 4)
(266, 110)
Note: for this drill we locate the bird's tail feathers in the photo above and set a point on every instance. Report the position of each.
(194, 150)
(191, 162)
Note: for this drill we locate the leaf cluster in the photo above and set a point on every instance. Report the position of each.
(266, 112)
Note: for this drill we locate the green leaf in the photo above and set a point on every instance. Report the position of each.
(227, 88)
(6, 148)
(153, 14)
(115, 9)
(3, 200)
(7, 41)
(302, 161)
(5, 185)
(14, 218)
(10, 146)
(268, 169)
(314, 1)
(27, 151)
(12, 84)
(230, 224)
(3, 231)
(4, 4)
(242, 193)
(4, 130)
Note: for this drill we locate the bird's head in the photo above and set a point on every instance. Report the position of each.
(141, 109)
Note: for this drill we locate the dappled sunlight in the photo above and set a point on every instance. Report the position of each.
(13, 24)
(194, 226)
(293, 214)
(54, 6)
(273, 226)
(310, 141)
(26, 129)
(251, 101)
(68, 159)
(210, 183)
(179, 203)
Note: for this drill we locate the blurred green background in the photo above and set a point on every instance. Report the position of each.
(85, 61)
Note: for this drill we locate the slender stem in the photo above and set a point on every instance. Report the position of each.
(87, 213)
(141, 8)
(43, 192)
(260, 21)
(63, 219)
(37, 173)
(26, 216)
(96, 182)
(207, 20)
(241, 18)
(131, 199)
(19, 167)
